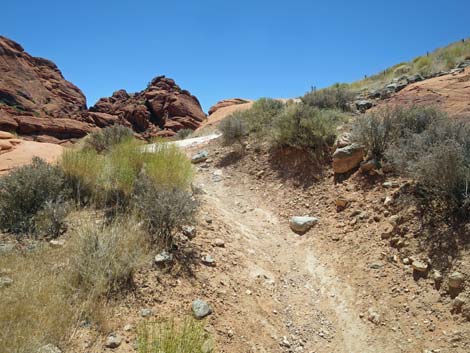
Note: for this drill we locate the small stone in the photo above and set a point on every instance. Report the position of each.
(5, 282)
(113, 341)
(388, 231)
(285, 342)
(373, 316)
(389, 184)
(49, 348)
(406, 261)
(219, 243)
(199, 157)
(208, 260)
(146, 312)
(456, 280)
(419, 266)
(200, 309)
(459, 302)
(163, 257)
(57, 243)
(248, 292)
(388, 201)
(302, 224)
(437, 276)
(208, 220)
(341, 202)
(128, 328)
(189, 231)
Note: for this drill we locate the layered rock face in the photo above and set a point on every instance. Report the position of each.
(37, 102)
(162, 109)
(35, 98)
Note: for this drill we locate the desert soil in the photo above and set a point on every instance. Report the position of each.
(338, 288)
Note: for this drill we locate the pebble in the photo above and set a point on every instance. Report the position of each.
(113, 341)
(49, 348)
(219, 243)
(146, 312)
(5, 282)
(200, 309)
(163, 257)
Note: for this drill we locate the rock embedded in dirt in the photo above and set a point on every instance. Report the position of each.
(388, 201)
(363, 105)
(146, 312)
(346, 159)
(189, 231)
(5, 282)
(208, 260)
(219, 243)
(373, 316)
(57, 243)
(199, 157)
(456, 280)
(301, 224)
(201, 309)
(341, 203)
(419, 266)
(437, 277)
(49, 348)
(368, 166)
(113, 341)
(163, 257)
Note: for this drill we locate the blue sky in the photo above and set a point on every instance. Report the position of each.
(220, 49)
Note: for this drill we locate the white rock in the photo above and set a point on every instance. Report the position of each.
(302, 224)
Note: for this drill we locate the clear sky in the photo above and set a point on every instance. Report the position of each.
(220, 49)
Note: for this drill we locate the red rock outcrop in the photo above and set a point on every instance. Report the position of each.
(36, 101)
(162, 109)
(227, 103)
(35, 97)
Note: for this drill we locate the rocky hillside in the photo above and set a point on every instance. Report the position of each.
(162, 109)
(38, 103)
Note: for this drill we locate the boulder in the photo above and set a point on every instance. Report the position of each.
(302, 224)
(456, 280)
(113, 341)
(363, 105)
(199, 157)
(226, 103)
(347, 158)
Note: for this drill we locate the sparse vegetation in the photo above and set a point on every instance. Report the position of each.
(183, 134)
(104, 139)
(162, 210)
(335, 97)
(305, 127)
(233, 128)
(172, 337)
(422, 143)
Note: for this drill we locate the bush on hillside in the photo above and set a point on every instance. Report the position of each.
(259, 119)
(26, 190)
(233, 129)
(305, 127)
(336, 97)
(171, 337)
(183, 134)
(49, 221)
(104, 139)
(439, 160)
(378, 130)
(105, 258)
(163, 210)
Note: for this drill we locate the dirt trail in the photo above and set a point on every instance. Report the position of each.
(293, 301)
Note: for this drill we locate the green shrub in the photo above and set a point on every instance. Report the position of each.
(26, 190)
(378, 130)
(305, 127)
(260, 117)
(109, 178)
(183, 134)
(162, 210)
(233, 128)
(336, 97)
(104, 258)
(104, 139)
(170, 337)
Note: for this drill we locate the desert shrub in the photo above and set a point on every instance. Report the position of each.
(108, 137)
(439, 160)
(35, 308)
(336, 97)
(260, 117)
(306, 127)
(26, 190)
(380, 129)
(49, 221)
(183, 134)
(105, 257)
(233, 128)
(171, 337)
(108, 179)
(163, 210)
